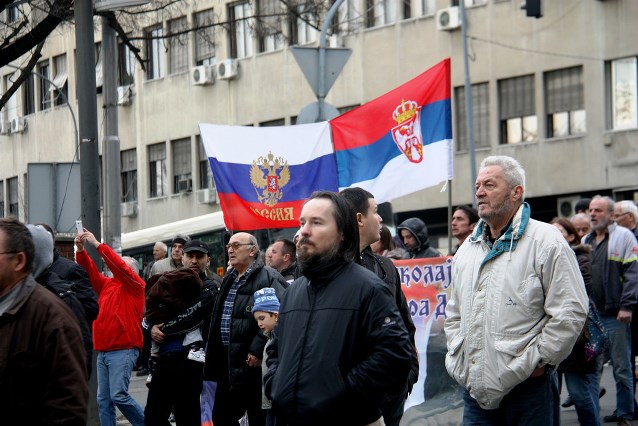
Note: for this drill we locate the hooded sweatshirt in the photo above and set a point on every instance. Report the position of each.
(420, 232)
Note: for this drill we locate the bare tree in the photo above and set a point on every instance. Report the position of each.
(28, 23)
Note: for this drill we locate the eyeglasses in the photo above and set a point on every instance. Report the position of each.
(10, 252)
(236, 245)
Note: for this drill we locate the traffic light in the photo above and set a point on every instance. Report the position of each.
(533, 8)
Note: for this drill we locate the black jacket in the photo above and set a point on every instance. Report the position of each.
(341, 345)
(196, 315)
(385, 269)
(68, 270)
(228, 364)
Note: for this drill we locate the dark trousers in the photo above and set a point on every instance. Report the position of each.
(232, 402)
(392, 410)
(177, 383)
(533, 402)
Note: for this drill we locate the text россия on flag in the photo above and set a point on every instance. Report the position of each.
(264, 174)
(401, 142)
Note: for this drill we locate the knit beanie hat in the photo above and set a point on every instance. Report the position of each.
(266, 300)
(43, 243)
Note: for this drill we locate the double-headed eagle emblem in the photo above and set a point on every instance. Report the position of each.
(268, 175)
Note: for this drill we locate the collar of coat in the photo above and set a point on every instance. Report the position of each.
(507, 241)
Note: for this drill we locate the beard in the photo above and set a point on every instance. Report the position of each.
(310, 261)
(503, 209)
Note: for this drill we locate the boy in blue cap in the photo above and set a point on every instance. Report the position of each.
(266, 313)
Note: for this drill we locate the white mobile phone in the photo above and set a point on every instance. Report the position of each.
(78, 226)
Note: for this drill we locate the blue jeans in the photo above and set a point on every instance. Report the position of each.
(532, 402)
(113, 376)
(583, 391)
(620, 357)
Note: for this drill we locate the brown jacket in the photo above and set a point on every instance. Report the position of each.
(43, 377)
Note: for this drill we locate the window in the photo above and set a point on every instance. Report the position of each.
(178, 46)
(157, 170)
(270, 36)
(45, 94)
(380, 12)
(469, 3)
(13, 14)
(10, 111)
(28, 104)
(154, 53)
(13, 196)
(241, 43)
(1, 198)
(126, 65)
(480, 116)
(128, 160)
(303, 25)
(414, 8)
(182, 170)
(565, 103)
(623, 93)
(517, 110)
(205, 38)
(272, 123)
(205, 174)
(60, 80)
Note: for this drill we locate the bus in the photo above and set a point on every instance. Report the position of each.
(209, 228)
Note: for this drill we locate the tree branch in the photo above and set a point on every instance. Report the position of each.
(24, 73)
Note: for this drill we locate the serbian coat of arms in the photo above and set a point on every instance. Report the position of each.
(268, 175)
(407, 133)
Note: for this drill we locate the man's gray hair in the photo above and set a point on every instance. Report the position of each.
(628, 206)
(579, 216)
(512, 169)
(132, 263)
(610, 201)
(162, 244)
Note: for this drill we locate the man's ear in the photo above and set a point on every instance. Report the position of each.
(20, 262)
(360, 217)
(517, 192)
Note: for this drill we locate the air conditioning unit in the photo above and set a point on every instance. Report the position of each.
(185, 185)
(202, 75)
(227, 69)
(565, 205)
(448, 19)
(18, 125)
(207, 196)
(124, 95)
(128, 209)
(5, 127)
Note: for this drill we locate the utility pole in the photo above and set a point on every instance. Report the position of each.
(87, 109)
(468, 103)
(89, 154)
(111, 146)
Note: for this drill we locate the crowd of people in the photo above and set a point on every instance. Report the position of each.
(317, 330)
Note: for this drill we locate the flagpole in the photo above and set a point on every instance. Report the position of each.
(449, 216)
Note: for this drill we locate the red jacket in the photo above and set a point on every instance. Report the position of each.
(121, 302)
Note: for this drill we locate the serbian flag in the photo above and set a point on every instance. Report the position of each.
(264, 174)
(400, 142)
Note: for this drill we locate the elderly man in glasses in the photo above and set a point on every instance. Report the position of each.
(235, 345)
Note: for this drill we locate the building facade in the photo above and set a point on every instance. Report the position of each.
(559, 93)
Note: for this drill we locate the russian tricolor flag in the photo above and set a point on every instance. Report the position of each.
(264, 174)
(400, 142)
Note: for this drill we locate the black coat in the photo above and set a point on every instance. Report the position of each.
(385, 269)
(228, 364)
(341, 345)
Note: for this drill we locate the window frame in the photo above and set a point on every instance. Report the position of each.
(518, 119)
(158, 185)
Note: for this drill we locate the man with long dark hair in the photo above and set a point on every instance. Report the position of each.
(341, 342)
